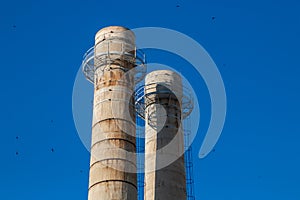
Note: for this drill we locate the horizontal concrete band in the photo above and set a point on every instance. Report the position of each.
(100, 173)
(113, 118)
(113, 145)
(113, 153)
(100, 135)
(114, 100)
(113, 190)
(115, 90)
(113, 138)
(110, 83)
(113, 169)
(117, 39)
(110, 159)
(118, 48)
(101, 182)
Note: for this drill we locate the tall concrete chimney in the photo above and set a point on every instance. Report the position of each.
(164, 145)
(111, 176)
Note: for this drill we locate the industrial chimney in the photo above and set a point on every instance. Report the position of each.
(112, 173)
(164, 141)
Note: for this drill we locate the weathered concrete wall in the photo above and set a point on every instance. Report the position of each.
(113, 119)
(163, 127)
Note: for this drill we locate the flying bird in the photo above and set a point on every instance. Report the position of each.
(52, 150)
(213, 18)
(17, 137)
(17, 153)
(177, 6)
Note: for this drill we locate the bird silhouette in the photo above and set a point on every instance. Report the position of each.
(14, 26)
(17, 137)
(52, 150)
(177, 6)
(213, 18)
(17, 153)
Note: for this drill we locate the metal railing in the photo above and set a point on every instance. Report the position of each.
(144, 92)
(91, 61)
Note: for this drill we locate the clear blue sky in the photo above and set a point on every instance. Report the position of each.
(254, 43)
